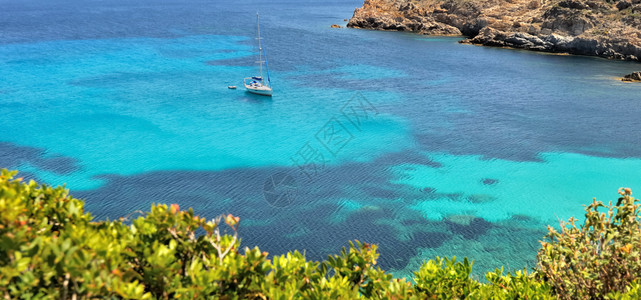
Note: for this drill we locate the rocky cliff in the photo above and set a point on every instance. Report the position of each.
(588, 27)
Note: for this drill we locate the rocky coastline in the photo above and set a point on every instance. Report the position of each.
(632, 77)
(610, 29)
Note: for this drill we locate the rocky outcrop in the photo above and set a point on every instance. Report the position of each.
(417, 20)
(634, 77)
(586, 27)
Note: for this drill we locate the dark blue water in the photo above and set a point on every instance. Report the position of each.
(420, 144)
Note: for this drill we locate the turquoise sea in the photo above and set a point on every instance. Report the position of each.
(419, 144)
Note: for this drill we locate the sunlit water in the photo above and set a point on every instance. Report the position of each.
(422, 145)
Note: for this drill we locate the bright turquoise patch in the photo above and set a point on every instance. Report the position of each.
(554, 188)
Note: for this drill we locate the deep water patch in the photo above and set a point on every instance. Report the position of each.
(13, 156)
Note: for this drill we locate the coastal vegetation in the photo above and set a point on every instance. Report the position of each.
(50, 248)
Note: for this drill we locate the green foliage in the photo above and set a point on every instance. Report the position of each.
(632, 292)
(51, 249)
(596, 258)
(448, 279)
(451, 280)
(519, 285)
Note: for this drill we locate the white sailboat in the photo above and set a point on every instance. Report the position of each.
(257, 84)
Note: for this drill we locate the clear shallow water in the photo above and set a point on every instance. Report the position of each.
(466, 150)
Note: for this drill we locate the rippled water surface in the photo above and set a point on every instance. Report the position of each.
(420, 144)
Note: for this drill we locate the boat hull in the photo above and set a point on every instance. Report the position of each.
(260, 92)
(258, 89)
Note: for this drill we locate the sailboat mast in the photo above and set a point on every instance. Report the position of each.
(260, 48)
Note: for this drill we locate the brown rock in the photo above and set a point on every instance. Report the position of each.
(534, 4)
(621, 5)
(336, 26)
(572, 26)
(633, 77)
(567, 20)
(435, 28)
(573, 4)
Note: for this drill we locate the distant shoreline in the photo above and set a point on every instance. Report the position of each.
(581, 27)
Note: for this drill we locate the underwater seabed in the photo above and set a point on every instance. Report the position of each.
(503, 207)
(490, 210)
(494, 189)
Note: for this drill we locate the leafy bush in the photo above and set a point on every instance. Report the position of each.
(598, 257)
(51, 249)
(519, 285)
(451, 280)
(448, 279)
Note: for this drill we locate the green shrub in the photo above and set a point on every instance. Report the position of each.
(596, 258)
(451, 280)
(632, 292)
(519, 285)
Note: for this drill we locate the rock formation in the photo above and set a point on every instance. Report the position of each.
(634, 77)
(589, 27)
